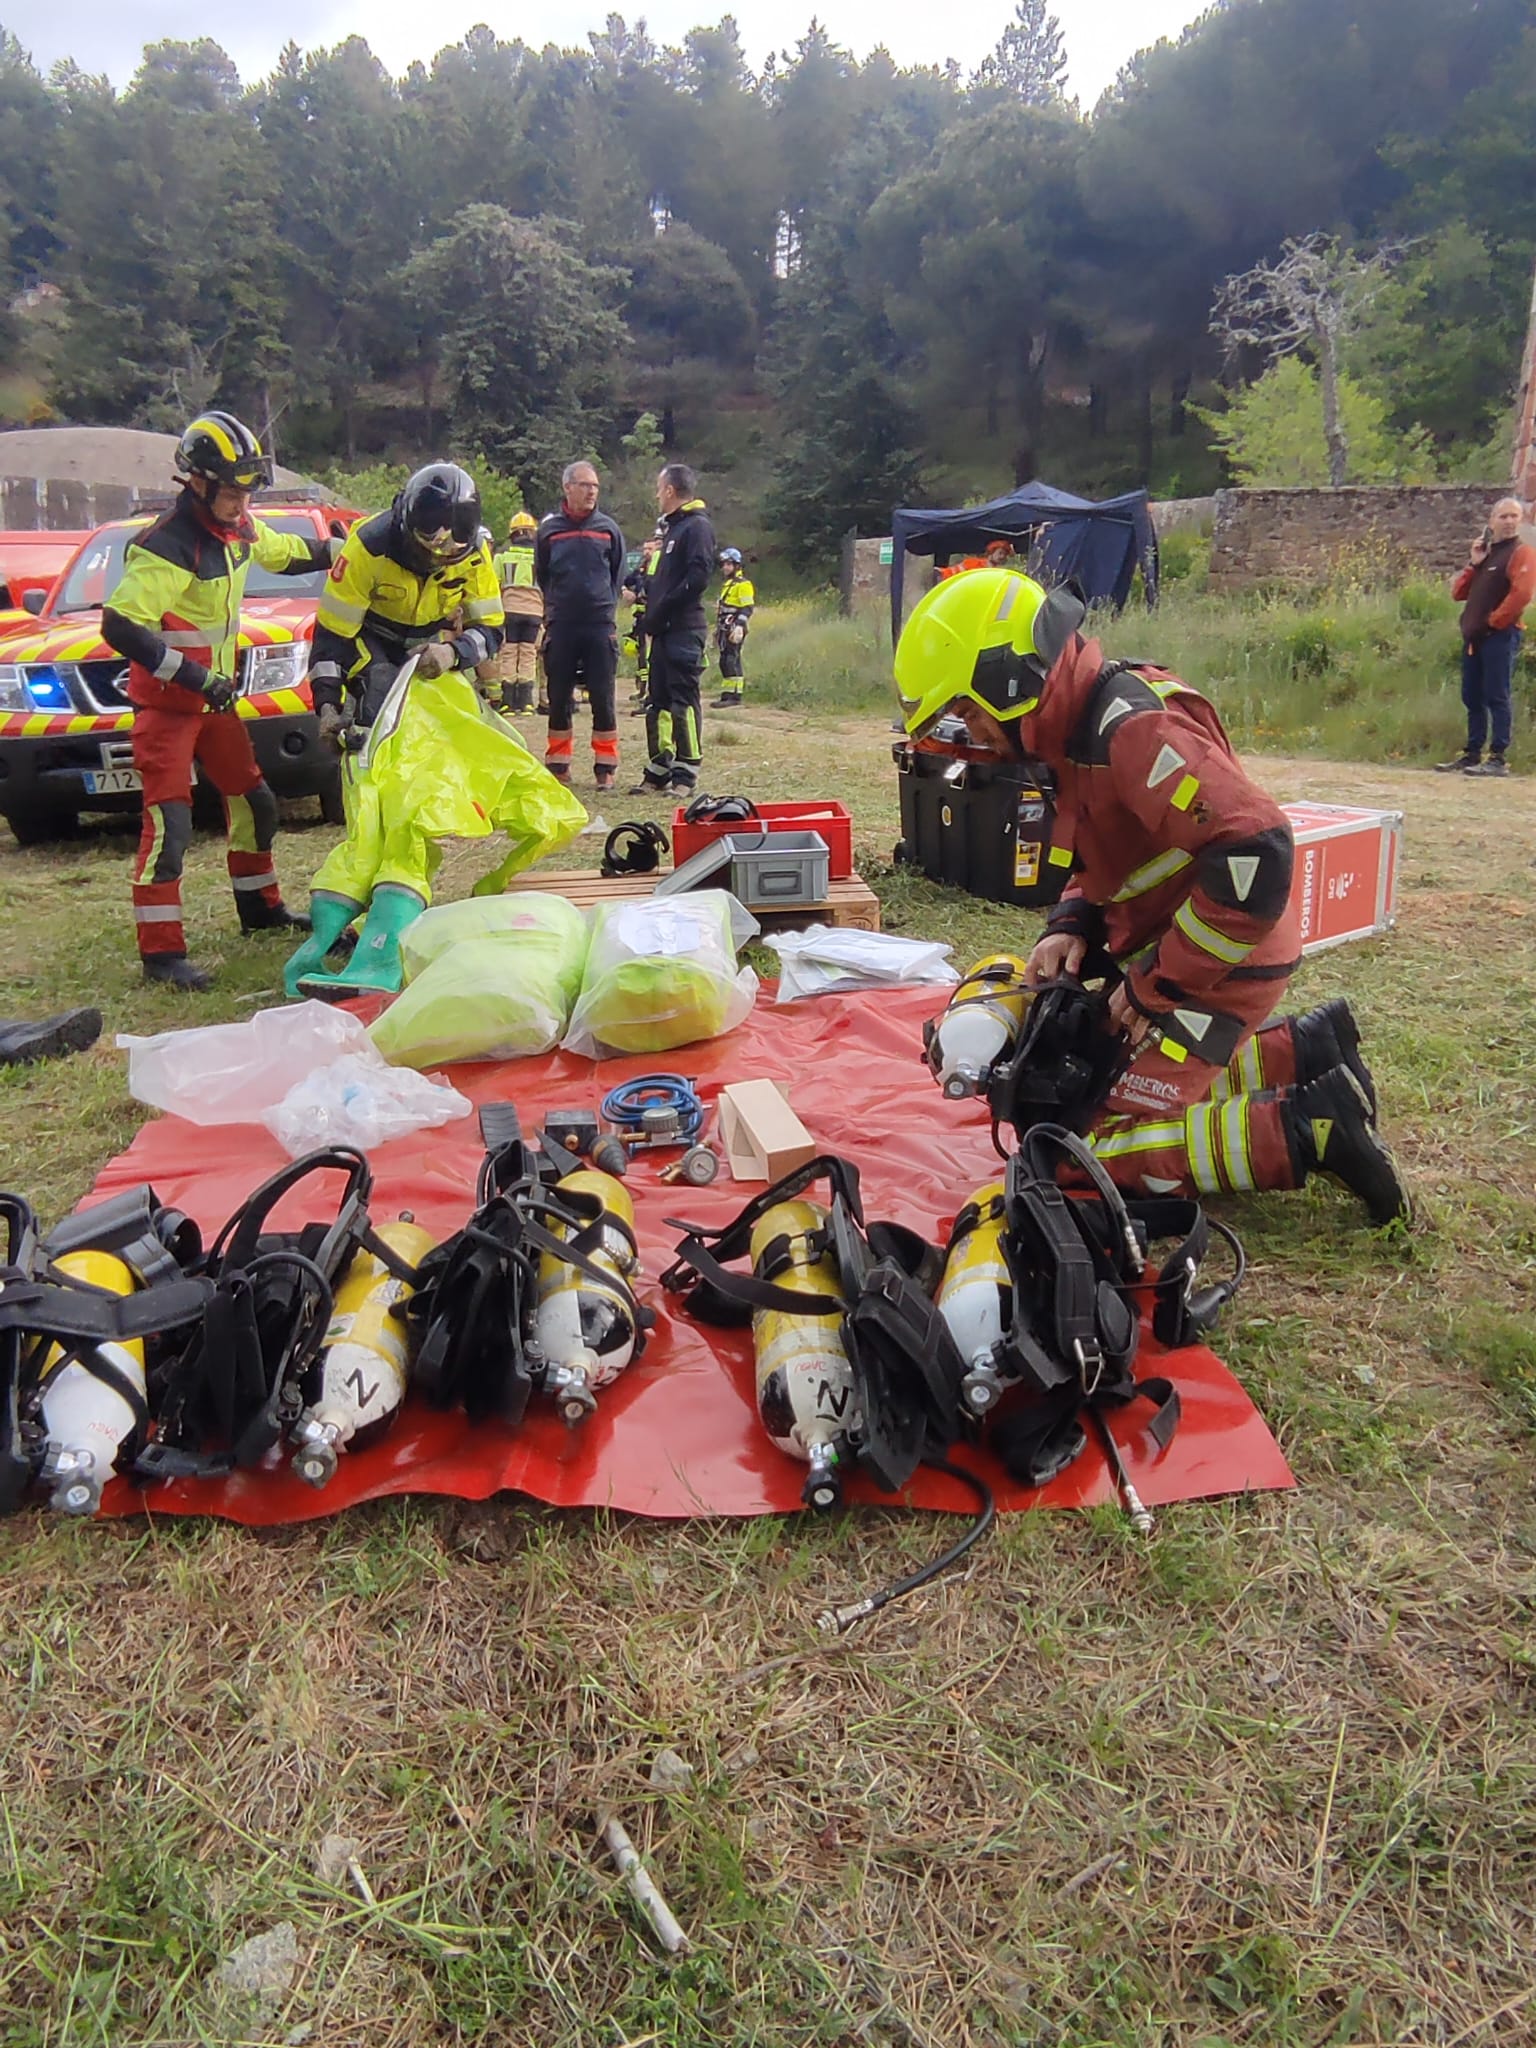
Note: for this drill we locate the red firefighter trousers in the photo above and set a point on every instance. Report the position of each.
(1183, 1126)
(165, 746)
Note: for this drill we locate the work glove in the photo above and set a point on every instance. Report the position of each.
(737, 634)
(435, 659)
(219, 693)
(333, 726)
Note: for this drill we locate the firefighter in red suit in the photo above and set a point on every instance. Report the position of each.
(1181, 871)
(176, 617)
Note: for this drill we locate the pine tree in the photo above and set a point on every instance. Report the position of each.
(1029, 60)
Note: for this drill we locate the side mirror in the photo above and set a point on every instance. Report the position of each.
(33, 601)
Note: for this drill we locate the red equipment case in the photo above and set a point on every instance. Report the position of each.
(1345, 882)
(832, 820)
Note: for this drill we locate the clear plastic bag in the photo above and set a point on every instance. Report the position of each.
(360, 1101)
(661, 972)
(491, 979)
(233, 1073)
(825, 958)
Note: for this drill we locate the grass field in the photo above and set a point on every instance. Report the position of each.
(1268, 1780)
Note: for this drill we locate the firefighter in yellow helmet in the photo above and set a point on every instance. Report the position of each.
(515, 666)
(1180, 869)
(175, 616)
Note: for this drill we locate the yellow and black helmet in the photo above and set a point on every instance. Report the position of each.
(990, 635)
(223, 449)
(522, 521)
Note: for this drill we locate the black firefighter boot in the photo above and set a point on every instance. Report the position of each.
(256, 916)
(1329, 1130)
(176, 971)
(70, 1031)
(1329, 1037)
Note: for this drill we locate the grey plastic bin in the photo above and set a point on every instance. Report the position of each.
(774, 869)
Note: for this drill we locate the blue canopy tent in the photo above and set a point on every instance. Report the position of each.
(1099, 545)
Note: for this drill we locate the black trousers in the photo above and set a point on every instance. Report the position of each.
(673, 721)
(587, 655)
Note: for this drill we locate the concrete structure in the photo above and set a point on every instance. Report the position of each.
(76, 477)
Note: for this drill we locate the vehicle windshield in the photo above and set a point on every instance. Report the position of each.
(98, 569)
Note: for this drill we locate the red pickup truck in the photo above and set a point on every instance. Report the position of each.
(64, 720)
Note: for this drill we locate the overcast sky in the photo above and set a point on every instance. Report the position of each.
(104, 35)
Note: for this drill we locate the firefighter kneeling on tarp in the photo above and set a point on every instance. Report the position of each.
(1182, 873)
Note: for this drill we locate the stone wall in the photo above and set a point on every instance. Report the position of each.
(1304, 536)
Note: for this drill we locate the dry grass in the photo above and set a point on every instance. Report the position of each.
(1269, 1781)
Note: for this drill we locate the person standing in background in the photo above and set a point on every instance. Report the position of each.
(578, 565)
(1494, 589)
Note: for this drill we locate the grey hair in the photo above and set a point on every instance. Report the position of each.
(568, 474)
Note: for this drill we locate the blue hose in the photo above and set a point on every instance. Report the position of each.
(624, 1107)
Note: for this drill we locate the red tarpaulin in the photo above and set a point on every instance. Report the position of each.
(679, 1434)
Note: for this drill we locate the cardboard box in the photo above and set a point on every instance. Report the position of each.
(762, 1137)
(1347, 862)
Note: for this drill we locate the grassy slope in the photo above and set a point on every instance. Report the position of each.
(1268, 1780)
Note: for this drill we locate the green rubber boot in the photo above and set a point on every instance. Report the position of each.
(329, 916)
(375, 966)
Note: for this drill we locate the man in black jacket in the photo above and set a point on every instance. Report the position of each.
(675, 629)
(578, 563)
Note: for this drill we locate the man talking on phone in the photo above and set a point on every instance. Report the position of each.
(1493, 589)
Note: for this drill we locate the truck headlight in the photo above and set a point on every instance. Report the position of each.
(13, 690)
(263, 669)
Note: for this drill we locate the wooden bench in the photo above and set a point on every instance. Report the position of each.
(851, 903)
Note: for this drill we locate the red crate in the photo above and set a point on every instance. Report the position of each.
(831, 820)
(1345, 881)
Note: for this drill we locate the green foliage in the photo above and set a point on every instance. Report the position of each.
(528, 338)
(1271, 432)
(374, 488)
(1183, 556)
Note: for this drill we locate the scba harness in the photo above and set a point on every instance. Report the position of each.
(231, 1336)
(1076, 1271)
(474, 1305)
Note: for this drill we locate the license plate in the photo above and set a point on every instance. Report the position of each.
(111, 781)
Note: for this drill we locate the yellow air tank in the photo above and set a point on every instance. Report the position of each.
(805, 1390)
(587, 1329)
(980, 1026)
(975, 1295)
(365, 1365)
(87, 1418)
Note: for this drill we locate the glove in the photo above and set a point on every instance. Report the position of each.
(436, 658)
(333, 726)
(219, 692)
(737, 634)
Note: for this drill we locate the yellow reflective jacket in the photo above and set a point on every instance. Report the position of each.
(737, 594)
(177, 605)
(377, 605)
(520, 595)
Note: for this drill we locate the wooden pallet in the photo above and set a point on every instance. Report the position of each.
(851, 903)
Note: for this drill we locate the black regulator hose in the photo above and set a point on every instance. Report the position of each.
(836, 1619)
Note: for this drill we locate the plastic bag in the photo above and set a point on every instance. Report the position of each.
(232, 1073)
(824, 958)
(490, 979)
(360, 1101)
(661, 972)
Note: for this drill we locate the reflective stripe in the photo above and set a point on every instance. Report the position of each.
(1171, 1049)
(193, 637)
(1199, 933)
(333, 608)
(1152, 873)
(482, 608)
(1186, 793)
(263, 881)
(1009, 599)
(1060, 856)
(1139, 1138)
(289, 700)
(169, 665)
(1199, 1137)
(325, 672)
(1250, 1065)
(151, 858)
(40, 722)
(157, 913)
(1234, 1144)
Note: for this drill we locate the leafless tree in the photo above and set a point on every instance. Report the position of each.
(1313, 297)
